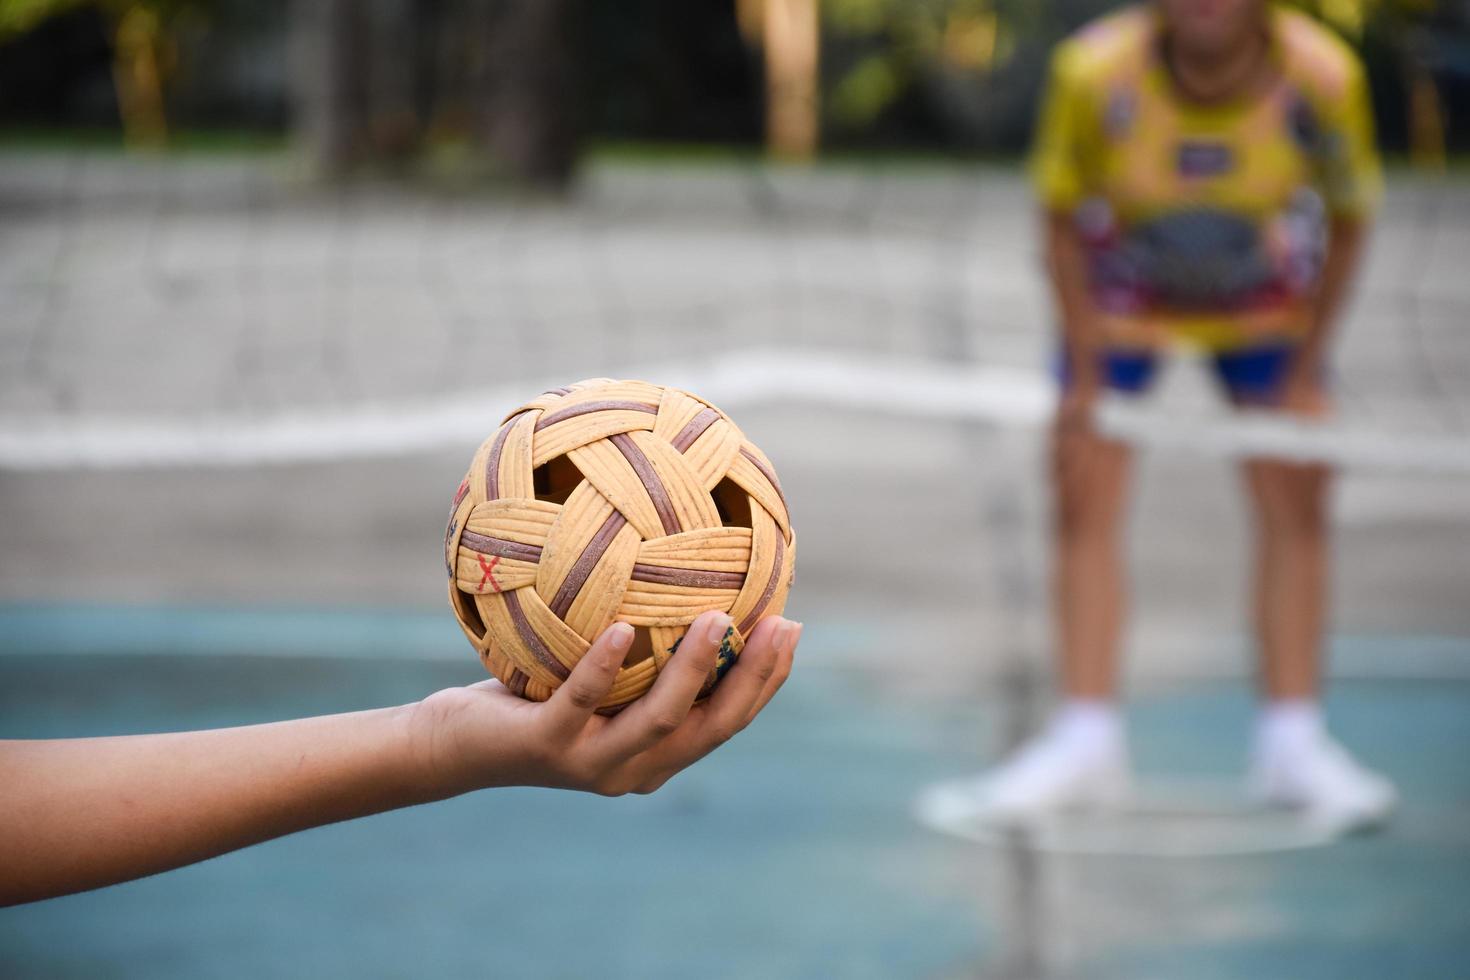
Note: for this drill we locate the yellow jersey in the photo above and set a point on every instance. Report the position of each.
(1204, 223)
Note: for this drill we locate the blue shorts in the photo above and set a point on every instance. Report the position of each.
(1250, 375)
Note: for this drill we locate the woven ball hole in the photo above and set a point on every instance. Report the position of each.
(555, 479)
(469, 614)
(732, 503)
(642, 648)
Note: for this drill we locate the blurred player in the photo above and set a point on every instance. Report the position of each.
(1207, 172)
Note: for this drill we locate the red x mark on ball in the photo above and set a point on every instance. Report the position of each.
(489, 569)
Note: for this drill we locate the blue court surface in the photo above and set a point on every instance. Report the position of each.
(790, 853)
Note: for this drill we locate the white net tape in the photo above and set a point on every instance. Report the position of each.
(985, 394)
(1259, 433)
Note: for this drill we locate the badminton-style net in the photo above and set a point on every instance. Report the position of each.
(199, 312)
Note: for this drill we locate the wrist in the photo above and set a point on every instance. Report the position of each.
(1084, 383)
(463, 739)
(1308, 359)
(432, 762)
(1083, 353)
(1304, 376)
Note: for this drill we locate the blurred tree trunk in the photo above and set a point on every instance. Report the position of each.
(792, 36)
(329, 53)
(139, 62)
(1424, 112)
(392, 71)
(370, 86)
(531, 126)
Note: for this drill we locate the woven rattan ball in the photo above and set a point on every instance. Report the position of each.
(606, 501)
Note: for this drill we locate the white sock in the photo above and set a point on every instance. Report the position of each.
(1081, 724)
(1286, 728)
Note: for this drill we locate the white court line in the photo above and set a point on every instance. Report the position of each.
(1195, 818)
(991, 394)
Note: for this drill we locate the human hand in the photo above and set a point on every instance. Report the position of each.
(483, 735)
(1079, 398)
(80, 813)
(1079, 449)
(1305, 394)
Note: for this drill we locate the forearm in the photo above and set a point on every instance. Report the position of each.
(81, 813)
(1344, 251)
(1066, 264)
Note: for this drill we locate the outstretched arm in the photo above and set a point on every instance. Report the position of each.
(82, 813)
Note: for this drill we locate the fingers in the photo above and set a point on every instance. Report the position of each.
(655, 737)
(761, 670)
(1074, 455)
(785, 654)
(1081, 458)
(759, 673)
(579, 695)
(661, 711)
(1075, 408)
(1074, 415)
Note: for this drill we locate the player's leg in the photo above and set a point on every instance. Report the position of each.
(1089, 484)
(1292, 538)
(1295, 761)
(1081, 757)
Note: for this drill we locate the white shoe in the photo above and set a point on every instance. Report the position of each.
(1055, 771)
(1320, 778)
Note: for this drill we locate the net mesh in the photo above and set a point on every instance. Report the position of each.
(188, 291)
